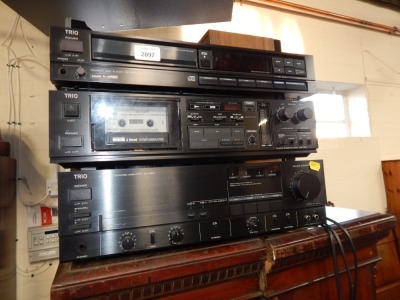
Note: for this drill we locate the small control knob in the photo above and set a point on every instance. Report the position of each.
(150, 123)
(252, 140)
(305, 114)
(81, 72)
(121, 123)
(305, 186)
(253, 224)
(127, 241)
(285, 114)
(175, 235)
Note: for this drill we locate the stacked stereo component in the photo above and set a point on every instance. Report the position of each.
(172, 144)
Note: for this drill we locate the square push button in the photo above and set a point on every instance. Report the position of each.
(71, 46)
(71, 141)
(71, 110)
(299, 64)
(80, 194)
(277, 62)
(288, 62)
(208, 80)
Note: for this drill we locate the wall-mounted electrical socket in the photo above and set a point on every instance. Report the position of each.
(52, 187)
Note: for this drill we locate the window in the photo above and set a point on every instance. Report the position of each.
(341, 115)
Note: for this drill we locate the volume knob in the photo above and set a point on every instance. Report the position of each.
(285, 114)
(305, 114)
(253, 224)
(127, 241)
(175, 235)
(305, 186)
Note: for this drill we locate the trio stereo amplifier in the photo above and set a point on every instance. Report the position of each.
(117, 211)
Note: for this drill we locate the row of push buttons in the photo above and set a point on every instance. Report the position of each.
(41, 240)
(255, 207)
(253, 83)
(221, 132)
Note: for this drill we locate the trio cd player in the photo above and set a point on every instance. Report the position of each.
(115, 211)
(87, 59)
(87, 127)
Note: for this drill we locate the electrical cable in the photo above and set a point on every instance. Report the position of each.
(345, 261)
(26, 40)
(35, 271)
(13, 133)
(17, 17)
(36, 203)
(355, 259)
(15, 111)
(335, 262)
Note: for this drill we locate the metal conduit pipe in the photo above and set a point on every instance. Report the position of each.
(323, 14)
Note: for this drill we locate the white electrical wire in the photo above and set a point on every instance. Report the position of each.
(26, 40)
(17, 17)
(26, 203)
(15, 119)
(15, 111)
(34, 271)
(10, 37)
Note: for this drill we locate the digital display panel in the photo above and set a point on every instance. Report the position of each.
(241, 62)
(254, 184)
(232, 106)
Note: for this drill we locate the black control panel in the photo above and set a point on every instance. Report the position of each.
(89, 127)
(86, 59)
(116, 211)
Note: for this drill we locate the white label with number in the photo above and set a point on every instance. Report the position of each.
(150, 53)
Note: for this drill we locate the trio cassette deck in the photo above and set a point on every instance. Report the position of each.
(98, 126)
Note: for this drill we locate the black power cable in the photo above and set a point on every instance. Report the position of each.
(335, 262)
(334, 237)
(355, 259)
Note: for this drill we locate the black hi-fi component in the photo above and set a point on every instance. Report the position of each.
(86, 59)
(89, 128)
(119, 211)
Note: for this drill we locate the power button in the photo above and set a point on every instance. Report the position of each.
(71, 110)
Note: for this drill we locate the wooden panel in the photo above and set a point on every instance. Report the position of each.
(8, 227)
(388, 270)
(391, 177)
(389, 267)
(319, 277)
(233, 267)
(215, 37)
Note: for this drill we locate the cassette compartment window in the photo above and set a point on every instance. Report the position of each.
(134, 123)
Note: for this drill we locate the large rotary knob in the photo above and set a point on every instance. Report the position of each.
(253, 224)
(127, 241)
(175, 235)
(305, 186)
(285, 114)
(305, 114)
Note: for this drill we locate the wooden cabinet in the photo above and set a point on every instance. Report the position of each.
(291, 265)
(8, 224)
(388, 276)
